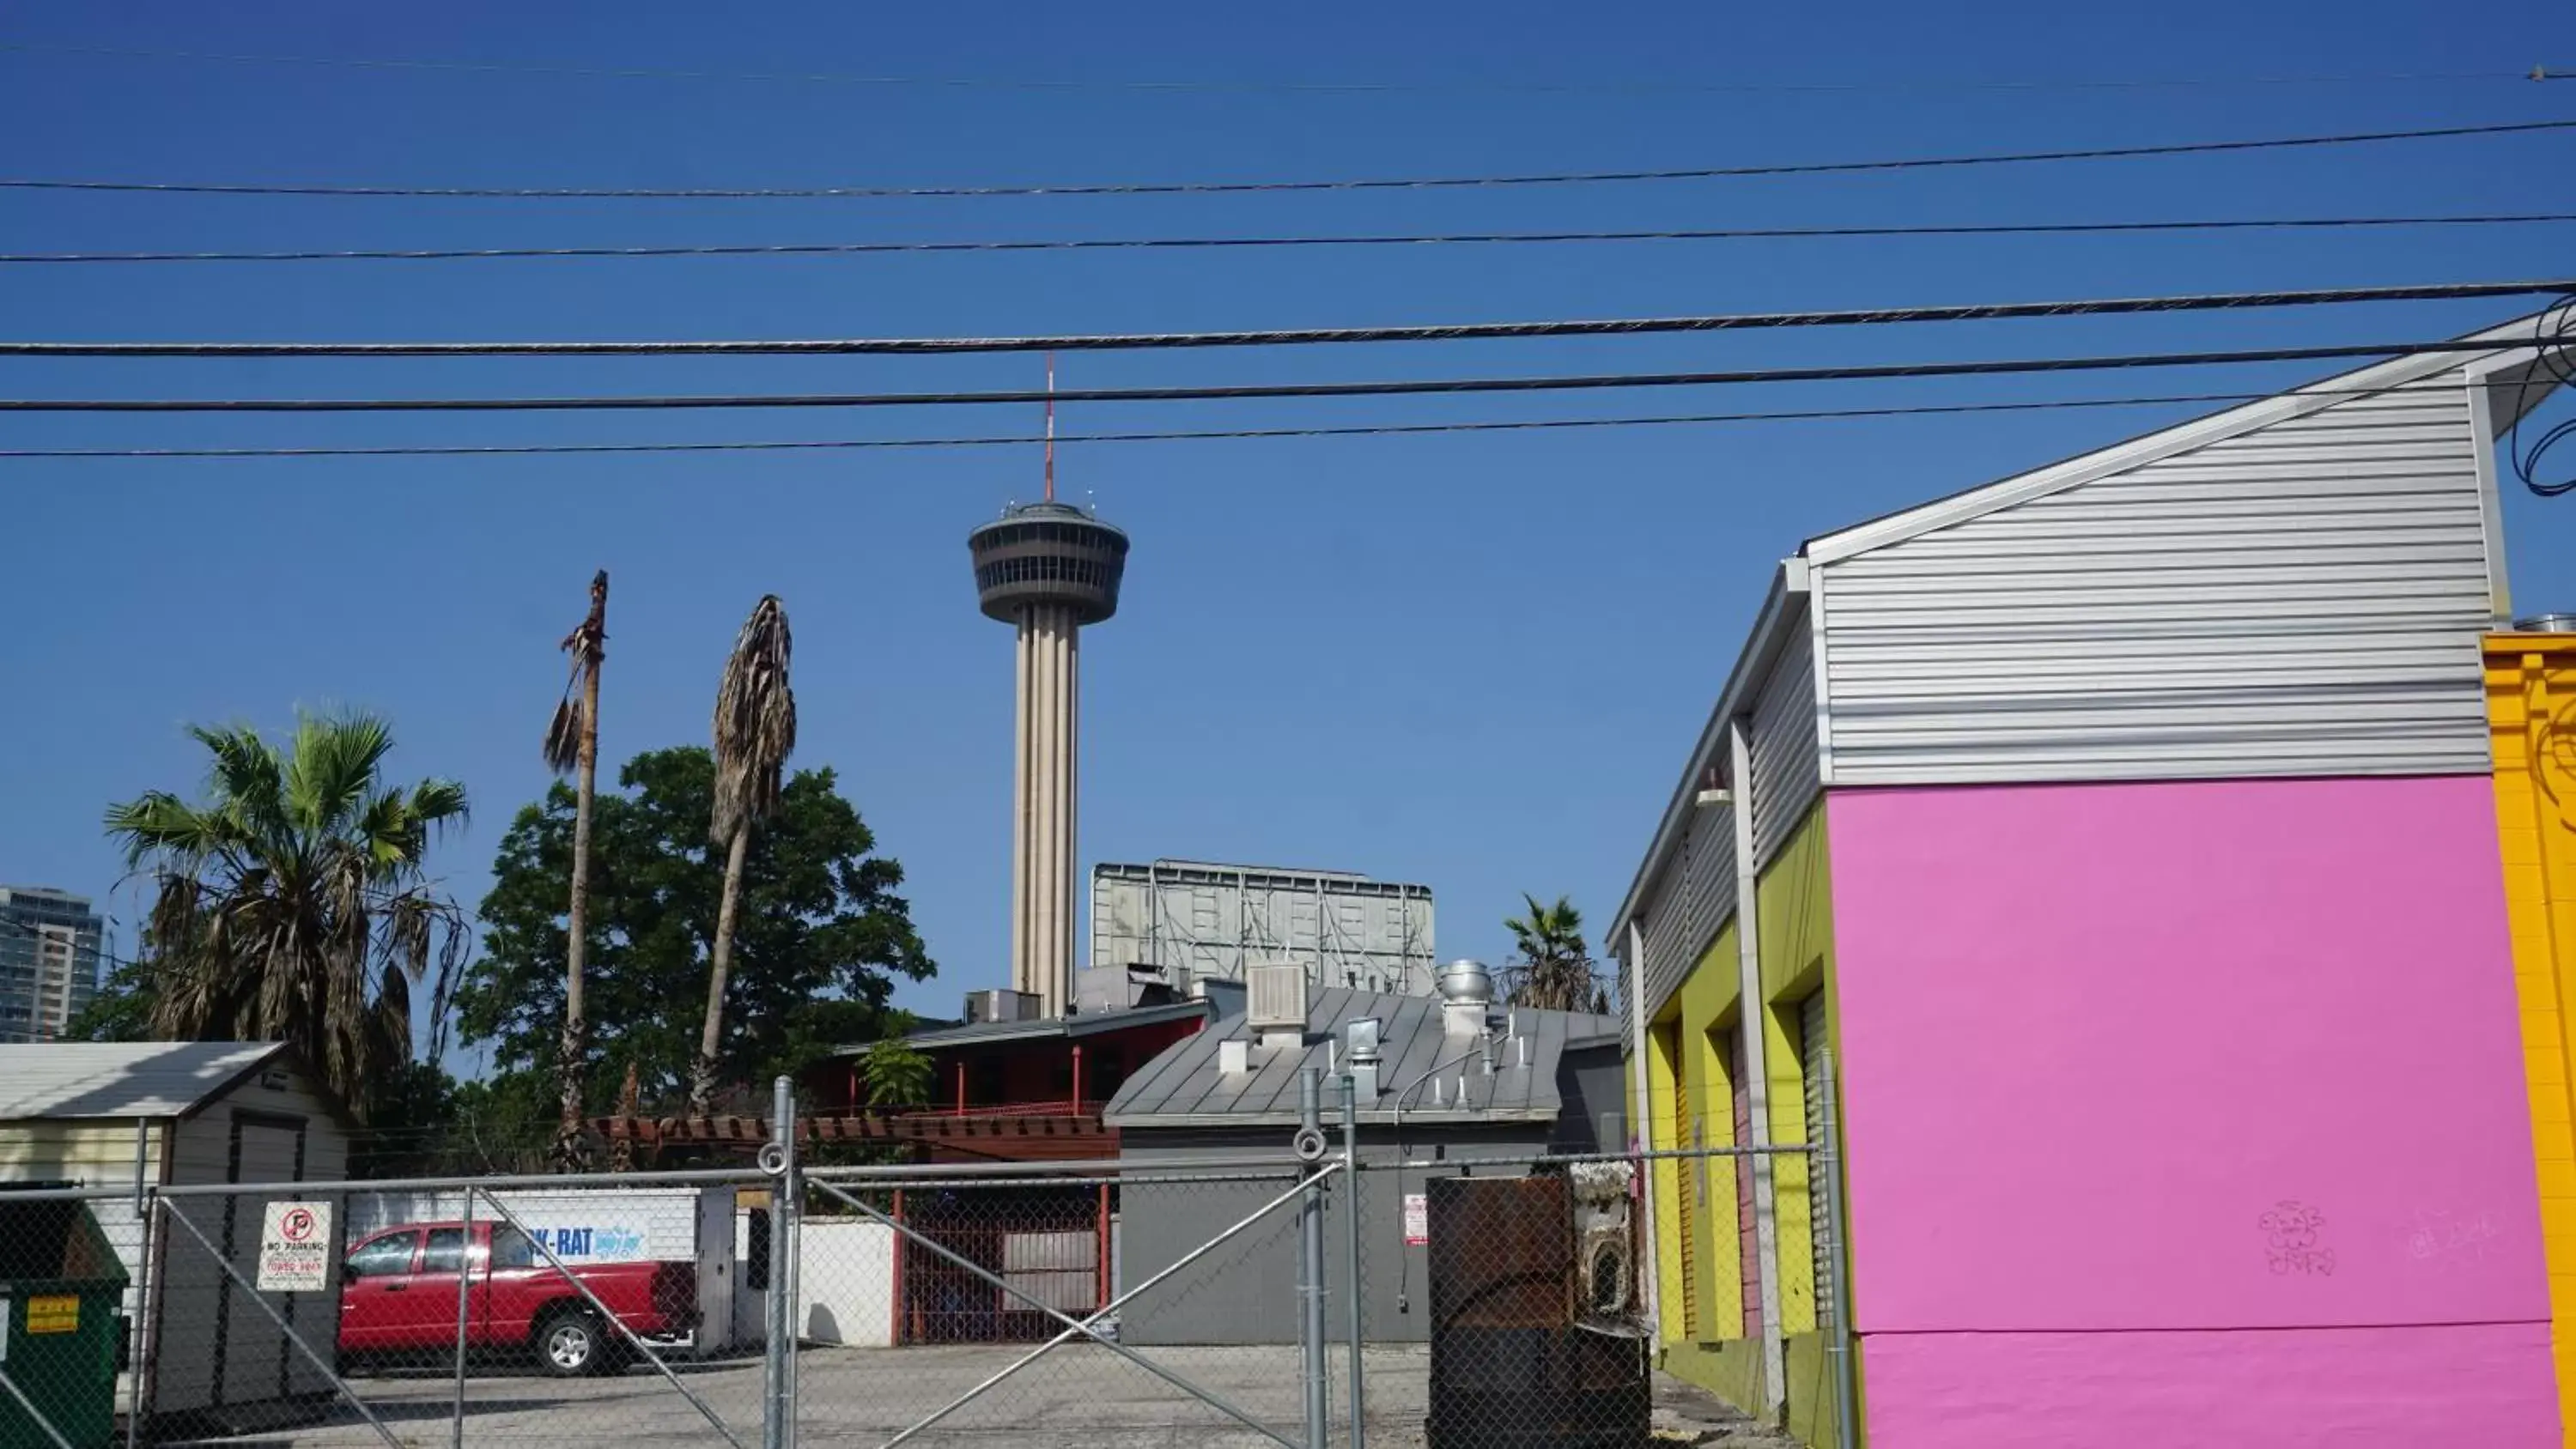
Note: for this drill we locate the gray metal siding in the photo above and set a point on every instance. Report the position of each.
(1709, 880)
(1666, 920)
(1784, 748)
(2301, 599)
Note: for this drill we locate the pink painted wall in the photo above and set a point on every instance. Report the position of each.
(2468, 1387)
(2192, 1056)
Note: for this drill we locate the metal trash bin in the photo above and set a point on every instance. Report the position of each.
(63, 1288)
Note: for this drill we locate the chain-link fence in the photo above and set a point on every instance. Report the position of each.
(1339, 1289)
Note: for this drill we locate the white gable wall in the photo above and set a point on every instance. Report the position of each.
(2301, 599)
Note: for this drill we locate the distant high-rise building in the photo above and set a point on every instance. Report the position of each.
(49, 953)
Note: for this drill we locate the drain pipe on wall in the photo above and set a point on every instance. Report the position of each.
(1751, 1011)
(1641, 1130)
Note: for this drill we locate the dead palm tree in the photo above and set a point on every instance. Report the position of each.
(295, 904)
(755, 730)
(572, 747)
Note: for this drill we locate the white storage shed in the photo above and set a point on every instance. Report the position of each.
(187, 1114)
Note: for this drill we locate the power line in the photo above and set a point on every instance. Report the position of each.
(810, 77)
(1437, 332)
(1776, 233)
(1366, 430)
(1231, 392)
(1204, 188)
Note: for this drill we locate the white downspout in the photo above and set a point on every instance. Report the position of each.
(1750, 1012)
(1641, 1131)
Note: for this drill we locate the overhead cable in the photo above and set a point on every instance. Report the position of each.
(1025, 83)
(1202, 188)
(1363, 430)
(1084, 244)
(1242, 391)
(1300, 336)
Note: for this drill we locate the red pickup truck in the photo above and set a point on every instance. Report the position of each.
(398, 1297)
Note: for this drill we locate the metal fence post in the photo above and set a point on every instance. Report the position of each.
(793, 1239)
(1352, 1183)
(773, 1368)
(1840, 1342)
(142, 1342)
(464, 1282)
(1310, 1255)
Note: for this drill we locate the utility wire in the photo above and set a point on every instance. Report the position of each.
(1775, 233)
(1276, 337)
(1204, 188)
(1288, 87)
(1368, 430)
(1226, 392)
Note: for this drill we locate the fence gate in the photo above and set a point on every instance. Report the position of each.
(1084, 1303)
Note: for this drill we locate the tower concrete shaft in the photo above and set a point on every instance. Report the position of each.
(1048, 569)
(1045, 796)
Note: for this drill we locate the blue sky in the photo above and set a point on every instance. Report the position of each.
(1470, 661)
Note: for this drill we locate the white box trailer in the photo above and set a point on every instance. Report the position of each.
(693, 1225)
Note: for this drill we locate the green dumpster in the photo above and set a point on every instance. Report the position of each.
(64, 1293)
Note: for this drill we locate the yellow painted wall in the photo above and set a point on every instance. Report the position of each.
(1795, 918)
(2531, 709)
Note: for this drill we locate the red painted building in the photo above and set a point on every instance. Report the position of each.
(1012, 1091)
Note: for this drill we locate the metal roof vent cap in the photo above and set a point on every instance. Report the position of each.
(1466, 996)
(2546, 624)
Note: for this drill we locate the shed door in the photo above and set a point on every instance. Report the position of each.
(251, 1354)
(1813, 1041)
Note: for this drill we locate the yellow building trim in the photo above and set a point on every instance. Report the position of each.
(1693, 1101)
(2531, 716)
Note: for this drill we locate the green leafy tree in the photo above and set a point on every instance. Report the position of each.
(821, 938)
(294, 903)
(1553, 967)
(121, 1008)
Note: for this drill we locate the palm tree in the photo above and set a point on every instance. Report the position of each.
(1555, 967)
(898, 1074)
(572, 747)
(755, 729)
(294, 905)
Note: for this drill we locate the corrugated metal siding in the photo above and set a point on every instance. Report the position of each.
(1711, 872)
(1666, 963)
(1196, 920)
(1691, 904)
(1783, 745)
(2302, 599)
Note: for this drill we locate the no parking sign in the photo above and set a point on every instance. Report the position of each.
(295, 1248)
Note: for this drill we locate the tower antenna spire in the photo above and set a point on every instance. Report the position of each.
(1050, 429)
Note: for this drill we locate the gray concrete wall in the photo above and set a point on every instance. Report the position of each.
(1245, 1292)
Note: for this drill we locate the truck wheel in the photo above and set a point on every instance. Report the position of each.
(570, 1343)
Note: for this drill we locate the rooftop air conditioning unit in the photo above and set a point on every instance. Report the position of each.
(1276, 1011)
(984, 1006)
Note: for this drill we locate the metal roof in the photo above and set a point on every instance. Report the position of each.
(1184, 1086)
(79, 1080)
(985, 1033)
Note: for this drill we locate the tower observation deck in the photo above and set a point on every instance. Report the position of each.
(1048, 569)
